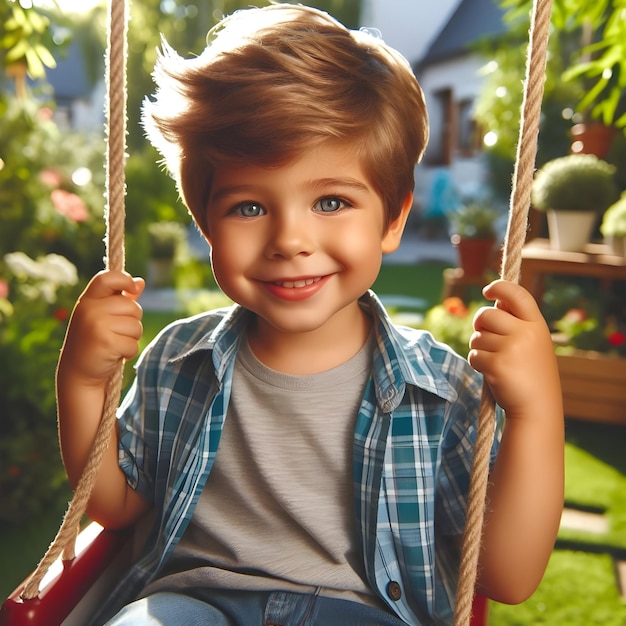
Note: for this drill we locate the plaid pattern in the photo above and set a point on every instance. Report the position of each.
(413, 444)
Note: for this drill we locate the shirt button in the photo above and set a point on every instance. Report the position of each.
(394, 590)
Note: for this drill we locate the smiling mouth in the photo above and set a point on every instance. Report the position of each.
(297, 284)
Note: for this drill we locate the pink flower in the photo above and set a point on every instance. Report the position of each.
(4, 288)
(45, 114)
(69, 205)
(50, 177)
(617, 339)
(576, 315)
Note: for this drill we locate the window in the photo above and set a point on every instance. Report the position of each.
(441, 123)
(453, 129)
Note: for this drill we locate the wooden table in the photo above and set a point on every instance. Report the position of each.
(540, 260)
(593, 384)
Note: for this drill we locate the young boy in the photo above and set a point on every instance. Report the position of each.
(304, 461)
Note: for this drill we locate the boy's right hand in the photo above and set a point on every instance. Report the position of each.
(104, 328)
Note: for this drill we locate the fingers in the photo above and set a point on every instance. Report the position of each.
(511, 346)
(493, 320)
(112, 293)
(123, 342)
(105, 326)
(514, 299)
(108, 283)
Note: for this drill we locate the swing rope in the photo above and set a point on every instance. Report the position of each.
(511, 268)
(64, 541)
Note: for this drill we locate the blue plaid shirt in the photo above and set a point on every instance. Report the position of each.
(413, 443)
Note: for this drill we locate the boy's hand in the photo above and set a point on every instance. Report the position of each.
(105, 327)
(511, 346)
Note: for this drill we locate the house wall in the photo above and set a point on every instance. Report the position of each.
(411, 26)
(86, 114)
(460, 75)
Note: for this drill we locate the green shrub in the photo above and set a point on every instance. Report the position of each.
(451, 322)
(51, 207)
(614, 219)
(34, 307)
(576, 182)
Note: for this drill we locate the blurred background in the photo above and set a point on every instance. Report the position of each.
(469, 57)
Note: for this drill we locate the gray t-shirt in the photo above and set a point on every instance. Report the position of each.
(277, 511)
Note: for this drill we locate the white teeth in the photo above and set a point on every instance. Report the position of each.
(296, 284)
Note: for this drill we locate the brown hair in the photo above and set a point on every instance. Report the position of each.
(274, 81)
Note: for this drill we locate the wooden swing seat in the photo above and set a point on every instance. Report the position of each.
(71, 588)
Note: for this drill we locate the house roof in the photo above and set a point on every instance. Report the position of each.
(472, 21)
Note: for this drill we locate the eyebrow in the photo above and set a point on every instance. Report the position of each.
(224, 192)
(320, 183)
(352, 183)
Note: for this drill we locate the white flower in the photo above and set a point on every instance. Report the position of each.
(21, 264)
(59, 270)
(42, 277)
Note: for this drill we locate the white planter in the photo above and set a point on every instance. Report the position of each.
(617, 245)
(570, 230)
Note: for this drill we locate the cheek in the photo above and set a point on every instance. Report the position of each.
(361, 245)
(224, 267)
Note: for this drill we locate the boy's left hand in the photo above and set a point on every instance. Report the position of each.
(511, 346)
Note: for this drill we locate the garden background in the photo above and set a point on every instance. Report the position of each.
(51, 232)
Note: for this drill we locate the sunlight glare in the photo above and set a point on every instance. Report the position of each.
(70, 6)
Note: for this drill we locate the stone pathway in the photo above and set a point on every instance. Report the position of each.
(595, 523)
(573, 519)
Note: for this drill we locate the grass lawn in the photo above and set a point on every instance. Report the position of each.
(579, 588)
(424, 281)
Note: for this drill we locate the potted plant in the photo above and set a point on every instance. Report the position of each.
(166, 239)
(474, 236)
(613, 226)
(573, 190)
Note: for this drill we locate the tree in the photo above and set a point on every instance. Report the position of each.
(597, 28)
(569, 85)
(25, 43)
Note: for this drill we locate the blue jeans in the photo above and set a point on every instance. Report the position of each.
(250, 608)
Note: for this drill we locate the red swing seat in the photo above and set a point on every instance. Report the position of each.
(71, 588)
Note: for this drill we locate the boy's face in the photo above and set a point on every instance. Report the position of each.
(299, 244)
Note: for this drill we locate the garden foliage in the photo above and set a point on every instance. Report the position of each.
(51, 207)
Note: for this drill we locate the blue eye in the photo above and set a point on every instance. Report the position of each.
(249, 209)
(330, 205)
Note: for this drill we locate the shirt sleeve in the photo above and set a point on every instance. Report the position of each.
(135, 414)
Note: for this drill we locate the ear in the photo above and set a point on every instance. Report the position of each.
(393, 234)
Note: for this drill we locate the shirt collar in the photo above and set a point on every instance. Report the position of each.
(401, 355)
(221, 339)
(405, 356)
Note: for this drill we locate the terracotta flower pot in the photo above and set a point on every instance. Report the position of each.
(594, 138)
(475, 255)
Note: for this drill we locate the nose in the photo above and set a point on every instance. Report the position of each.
(290, 235)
